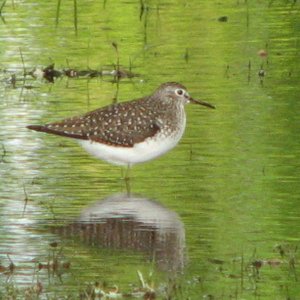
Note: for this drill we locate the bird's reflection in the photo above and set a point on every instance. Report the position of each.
(132, 222)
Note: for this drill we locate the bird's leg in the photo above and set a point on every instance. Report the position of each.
(127, 179)
(127, 173)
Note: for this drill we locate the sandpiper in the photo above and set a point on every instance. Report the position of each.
(130, 132)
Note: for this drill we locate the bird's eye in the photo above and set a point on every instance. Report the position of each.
(179, 92)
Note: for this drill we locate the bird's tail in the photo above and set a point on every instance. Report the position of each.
(47, 129)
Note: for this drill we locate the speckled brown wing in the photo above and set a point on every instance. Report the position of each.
(122, 124)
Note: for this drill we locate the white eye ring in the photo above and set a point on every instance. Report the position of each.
(179, 92)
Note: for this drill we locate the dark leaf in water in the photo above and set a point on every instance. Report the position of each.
(262, 53)
(66, 265)
(216, 261)
(50, 73)
(53, 244)
(261, 73)
(274, 262)
(223, 19)
(257, 264)
(233, 276)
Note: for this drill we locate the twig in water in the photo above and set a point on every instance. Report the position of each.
(186, 55)
(249, 70)
(25, 200)
(57, 12)
(130, 64)
(3, 154)
(141, 278)
(23, 63)
(75, 16)
(115, 45)
(242, 271)
(2, 6)
(11, 265)
(142, 9)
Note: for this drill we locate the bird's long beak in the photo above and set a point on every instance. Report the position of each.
(195, 101)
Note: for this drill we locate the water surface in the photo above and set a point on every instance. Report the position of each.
(219, 214)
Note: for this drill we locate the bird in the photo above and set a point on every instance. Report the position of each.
(131, 132)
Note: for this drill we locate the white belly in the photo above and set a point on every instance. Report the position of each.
(141, 152)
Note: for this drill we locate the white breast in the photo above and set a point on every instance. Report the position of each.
(140, 152)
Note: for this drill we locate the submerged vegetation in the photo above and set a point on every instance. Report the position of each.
(241, 276)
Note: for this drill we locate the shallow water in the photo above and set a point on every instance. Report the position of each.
(219, 214)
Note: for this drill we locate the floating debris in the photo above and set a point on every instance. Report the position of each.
(270, 262)
(274, 262)
(34, 291)
(257, 264)
(53, 244)
(216, 261)
(262, 53)
(96, 291)
(261, 73)
(48, 73)
(2, 158)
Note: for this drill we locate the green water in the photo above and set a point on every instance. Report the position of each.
(219, 215)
